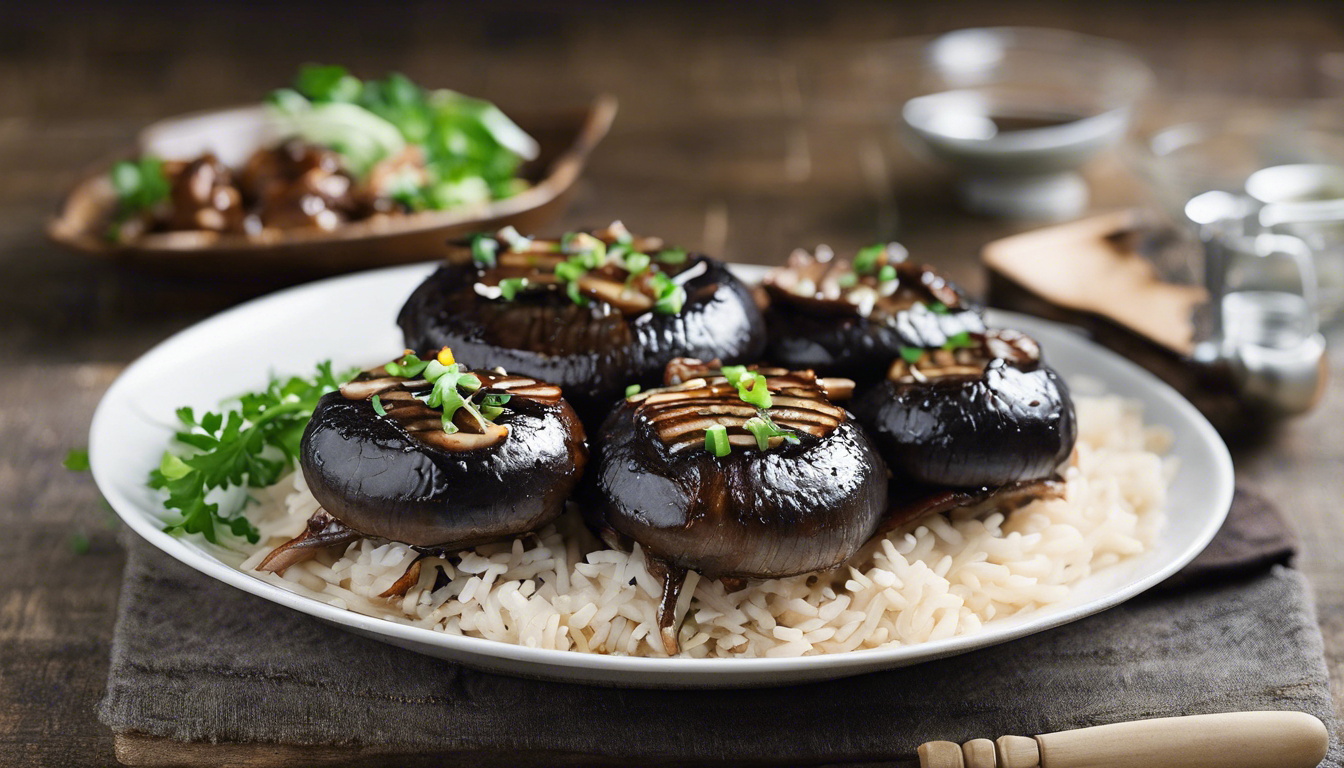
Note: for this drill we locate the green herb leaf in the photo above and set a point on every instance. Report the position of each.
(636, 262)
(510, 286)
(716, 440)
(407, 367)
(886, 274)
(911, 355)
(959, 341)
(77, 460)
(250, 445)
(865, 262)
(632, 390)
(331, 83)
(575, 295)
(483, 250)
(753, 389)
(378, 406)
(763, 428)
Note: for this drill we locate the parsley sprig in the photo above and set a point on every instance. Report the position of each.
(250, 445)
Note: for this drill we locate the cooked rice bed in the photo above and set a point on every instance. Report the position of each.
(562, 589)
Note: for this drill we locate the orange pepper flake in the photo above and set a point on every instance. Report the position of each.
(445, 356)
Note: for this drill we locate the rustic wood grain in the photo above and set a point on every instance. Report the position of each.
(746, 131)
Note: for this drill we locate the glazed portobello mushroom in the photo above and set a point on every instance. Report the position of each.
(592, 312)
(982, 411)
(429, 454)
(852, 318)
(735, 473)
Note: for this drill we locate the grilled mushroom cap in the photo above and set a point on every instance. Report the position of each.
(792, 508)
(592, 351)
(826, 316)
(985, 415)
(402, 477)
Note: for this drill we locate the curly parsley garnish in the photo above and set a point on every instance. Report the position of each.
(251, 445)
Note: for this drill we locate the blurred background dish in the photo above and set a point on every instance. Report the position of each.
(563, 143)
(1016, 111)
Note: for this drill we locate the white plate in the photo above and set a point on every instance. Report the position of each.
(351, 320)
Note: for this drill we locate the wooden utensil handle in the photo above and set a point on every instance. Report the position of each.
(1228, 740)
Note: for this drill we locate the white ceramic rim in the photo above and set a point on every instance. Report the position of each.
(630, 670)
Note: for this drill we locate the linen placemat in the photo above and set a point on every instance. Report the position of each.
(204, 674)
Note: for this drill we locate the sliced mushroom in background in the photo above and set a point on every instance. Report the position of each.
(851, 318)
(590, 312)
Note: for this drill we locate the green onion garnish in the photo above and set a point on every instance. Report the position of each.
(847, 280)
(939, 308)
(569, 271)
(959, 341)
(510, 286)
(636, 262)
(575, 295)
(378, 406)
(752, 389)
(673, 256)
(887, 273)
(911, 355)
(716, 440)
(407, 367)
(865, 262)
(764, 429)
(733, 373)
(632, 390)
(669, 297)
(483, 250)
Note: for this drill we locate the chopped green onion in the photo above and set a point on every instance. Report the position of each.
(939, 308)
(716, 440)
(847, 280)
(636, 262)
(632, 390)
(911, 355)
(959, 341)
(378, 406)
(669, 297)
(510, 286)
(327, 83)
(568, 271)
(483, 250)
(575, 295)
(886, 274)
(865, 263)
(407, 367)
(753, 389)
(511, 236)
(673, 256)
(733, 373)
(764, 429)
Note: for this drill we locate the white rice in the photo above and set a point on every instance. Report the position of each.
(561, 589)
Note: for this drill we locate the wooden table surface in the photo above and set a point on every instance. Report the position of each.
(743, 133)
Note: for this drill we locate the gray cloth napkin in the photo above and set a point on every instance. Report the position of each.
(195, 660)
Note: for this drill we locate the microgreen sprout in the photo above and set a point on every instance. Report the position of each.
(763, 428)
(959, 341)
(632, 390)
(408, 367)
(378, 406)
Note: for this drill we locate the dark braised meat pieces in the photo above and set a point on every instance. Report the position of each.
(986, 414)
